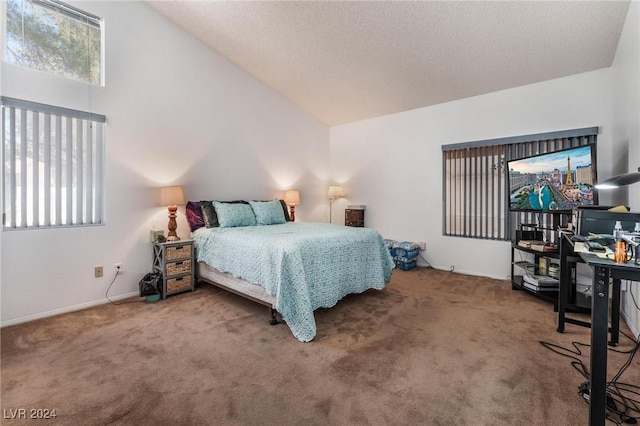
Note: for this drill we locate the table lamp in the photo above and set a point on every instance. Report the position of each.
(292, 198)
(172, 196)
(335, 192)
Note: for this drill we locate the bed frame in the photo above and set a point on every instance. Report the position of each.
(237, 286)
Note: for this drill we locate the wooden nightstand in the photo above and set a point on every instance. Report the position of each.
(175, 261)
(354, 217)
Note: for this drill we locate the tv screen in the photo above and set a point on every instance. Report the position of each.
(557, 181)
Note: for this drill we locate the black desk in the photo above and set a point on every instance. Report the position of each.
(567, 291)
(603, 271)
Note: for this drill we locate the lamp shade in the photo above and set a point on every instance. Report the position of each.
(620, 180)
(171, 196)
(335, 191)
(292, 197)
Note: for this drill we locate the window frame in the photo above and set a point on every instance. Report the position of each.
(72, 13)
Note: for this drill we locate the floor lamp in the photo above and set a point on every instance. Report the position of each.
(335, 192)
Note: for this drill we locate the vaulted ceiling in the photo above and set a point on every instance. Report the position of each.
(348, 61)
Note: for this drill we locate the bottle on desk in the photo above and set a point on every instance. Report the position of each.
(617, 230)
(620, 253)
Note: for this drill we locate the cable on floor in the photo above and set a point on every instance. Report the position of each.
(106, 293)
(623, 402)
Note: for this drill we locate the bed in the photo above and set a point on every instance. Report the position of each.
(294, 268)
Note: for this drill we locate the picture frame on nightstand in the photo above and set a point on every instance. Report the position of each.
(157, 236)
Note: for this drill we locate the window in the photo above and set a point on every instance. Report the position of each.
(53, 166)
(474, 182)
(50, 36)
(474, 191)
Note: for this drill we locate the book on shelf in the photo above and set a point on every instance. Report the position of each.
(537, 245)
(539, 288)
(541, 280)
(542, 266)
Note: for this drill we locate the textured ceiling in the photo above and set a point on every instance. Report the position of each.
(348, 61)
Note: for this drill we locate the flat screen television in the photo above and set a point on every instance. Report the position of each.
(558, 181)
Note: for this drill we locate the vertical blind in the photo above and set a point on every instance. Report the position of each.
(474, 182)
(474, 188)
(53, 165)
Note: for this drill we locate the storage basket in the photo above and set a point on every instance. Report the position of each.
(391, 245)
(178, 284)
(178, 252)
(404, 263)
(176, 268)
(407, 250)
(406, 254)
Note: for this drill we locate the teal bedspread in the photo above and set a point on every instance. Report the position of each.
(304, 265)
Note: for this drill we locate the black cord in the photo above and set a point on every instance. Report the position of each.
(620, 404)
(626, 364)
(425, 261)
(577, 363)
(106, 293)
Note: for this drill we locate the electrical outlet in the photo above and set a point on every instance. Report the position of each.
(98, 271)
(118, 267)
(423, 245)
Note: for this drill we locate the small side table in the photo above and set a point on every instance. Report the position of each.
(174, 260)
(354, 217)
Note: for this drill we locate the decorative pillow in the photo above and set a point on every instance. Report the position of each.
(209, 214)
(193, 211)
(268, 212)
(285, 210)
(230, 215)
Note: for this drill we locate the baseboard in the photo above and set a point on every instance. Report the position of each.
(465, 272)
(66, 309)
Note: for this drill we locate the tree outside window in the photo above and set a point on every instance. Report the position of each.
(53, 37)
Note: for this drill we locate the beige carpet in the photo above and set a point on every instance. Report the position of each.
(434, 348)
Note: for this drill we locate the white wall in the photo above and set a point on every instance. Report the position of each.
(393, 164)
(626, 128)
(177, 113)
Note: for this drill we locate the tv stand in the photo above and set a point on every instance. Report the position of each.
(546, 256)
(521, 268)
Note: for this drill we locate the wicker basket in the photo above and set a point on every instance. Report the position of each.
(176, 268)
(177, 284)
(179, 252)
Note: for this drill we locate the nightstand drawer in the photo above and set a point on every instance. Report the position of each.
(175, 261)
(179, 284)
(179, 252)
(177, 268)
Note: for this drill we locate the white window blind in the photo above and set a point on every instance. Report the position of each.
(53, 166)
